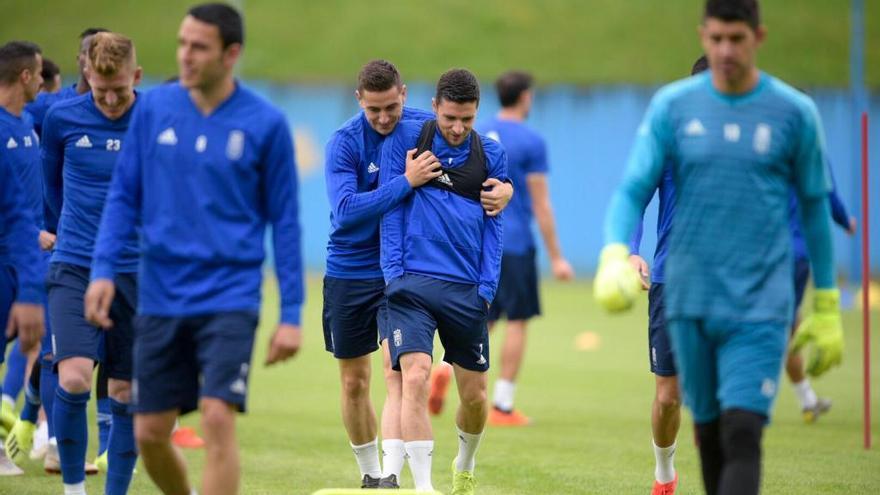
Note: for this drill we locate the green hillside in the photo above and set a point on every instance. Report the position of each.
(580, 41)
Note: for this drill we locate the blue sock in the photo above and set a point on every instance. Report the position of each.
(104, 418)
(31, 404)
(71, 430)
(48, 384)
(13, 382)
(122, 452)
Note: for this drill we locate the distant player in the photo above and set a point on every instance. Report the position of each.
(441, 258)
(205, 166)
(355, 310)
(51, 77)
(82, 138)
(737, 141)
(22, 268)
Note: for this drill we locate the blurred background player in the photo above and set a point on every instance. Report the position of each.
(51, 77)
(728, 285)
(211, 140)
(21, 303)
(666, 407)
(82, 138)
(441, 257)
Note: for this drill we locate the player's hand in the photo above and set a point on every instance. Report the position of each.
(26, 321)
(285, 343)
(99, 297)
(853, 226)
(617, 283)
(823, 331)
(422, 169)
(562, 269)
(47, 240)
(642, 268)
(496, 197)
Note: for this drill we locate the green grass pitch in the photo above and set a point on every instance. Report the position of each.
(591, 432)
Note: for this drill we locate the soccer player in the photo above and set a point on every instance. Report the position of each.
(737, 141)
(82, 138)
(51, 77)
(354, 292)
(441, 258)
(205, 165)
(21, 304)
(517, 296)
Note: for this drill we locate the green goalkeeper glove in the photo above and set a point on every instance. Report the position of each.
(617, 283)
(822, 330)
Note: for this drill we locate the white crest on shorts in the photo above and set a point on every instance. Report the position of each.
(761, 142)
(768, 388)
(235, 145)
(398, 337)
(482, 359)
(654, 356)
(238, 387)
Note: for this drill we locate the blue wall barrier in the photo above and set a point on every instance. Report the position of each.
(589, 132)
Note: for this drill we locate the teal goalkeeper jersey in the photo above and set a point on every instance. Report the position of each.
(734, 161)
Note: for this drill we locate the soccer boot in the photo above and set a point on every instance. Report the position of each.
(463, 482)
(186, 437)
(20, 440)
(811, 414)
(497, 417)
(440, 378)
(389, 481)
(369, 482)
(51, 461)
(665, 488)
(7, 467)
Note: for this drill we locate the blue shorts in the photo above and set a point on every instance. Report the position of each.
(417, 305)
(76, 337)
(801, 277)
(179, 360)
(517, 295)
(659, 348)
(727, 365)
(355, 316)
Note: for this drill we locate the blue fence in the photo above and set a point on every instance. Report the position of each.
(589, 132)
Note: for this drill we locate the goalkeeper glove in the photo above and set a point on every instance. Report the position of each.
(823, 331)
(617, 283)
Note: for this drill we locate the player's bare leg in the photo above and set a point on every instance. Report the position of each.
(471, 420)
(393, 451)
(222, 469)
(359, 417)
(414, 421)
(665, 422)
(163, 462)
(512, 352)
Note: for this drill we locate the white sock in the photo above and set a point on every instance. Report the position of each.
(503, 397)
(664, 469)
(8, 401)
(41, 437)
(75, 489)
(467, 450)
(419, 453)
(193, 493)
(367, 456)
(805, 394)
(393, 456)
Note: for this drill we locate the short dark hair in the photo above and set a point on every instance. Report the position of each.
(701, 64)
(734, 10)
(15, 57)
(511, 85)
(50, 70)
(225, 17)
(378, 75)
(91, 32)
(458, 86)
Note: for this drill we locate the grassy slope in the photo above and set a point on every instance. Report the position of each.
(591, 433)
(582, 41)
